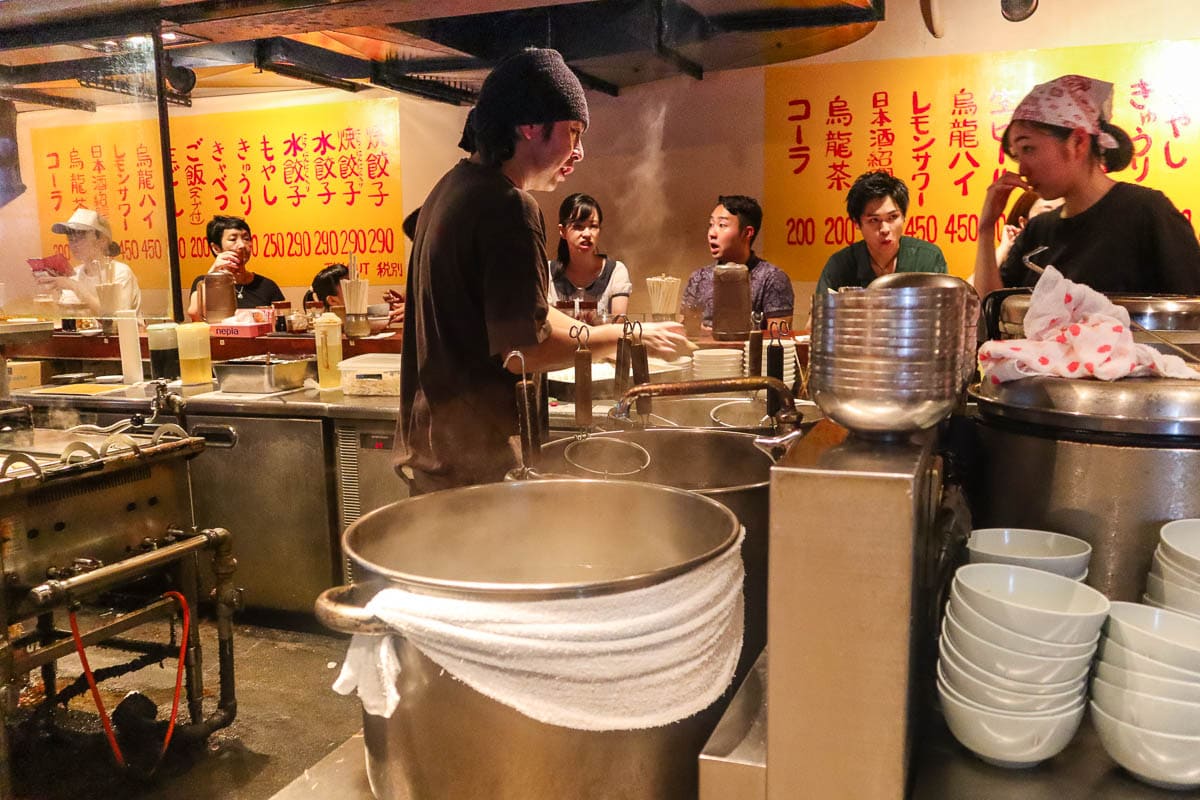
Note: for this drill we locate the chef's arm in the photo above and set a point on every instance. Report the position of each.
(558, 349)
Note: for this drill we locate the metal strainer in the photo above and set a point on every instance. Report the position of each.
(608, 457)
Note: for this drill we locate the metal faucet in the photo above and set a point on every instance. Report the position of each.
(787, 419)
(787, 416)
(168, 402)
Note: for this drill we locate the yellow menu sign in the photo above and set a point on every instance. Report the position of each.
(316, 183)
(936, 123)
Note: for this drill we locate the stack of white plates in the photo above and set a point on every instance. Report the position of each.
(716, 362)
(1014, 655)
(789, 358)
(1146, 694)
(1174, 579)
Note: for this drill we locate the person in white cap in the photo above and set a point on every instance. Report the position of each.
(92, 249)
(1112, 236)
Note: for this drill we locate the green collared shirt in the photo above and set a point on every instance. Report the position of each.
(851, 266)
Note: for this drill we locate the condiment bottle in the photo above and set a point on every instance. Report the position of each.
(195, 353)
(163, 341)
(283, 309)
(328, 332)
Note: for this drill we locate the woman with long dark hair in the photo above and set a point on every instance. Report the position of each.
(1110, 235)
(581, 271)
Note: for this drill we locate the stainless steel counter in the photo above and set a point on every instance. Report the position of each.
(308, 403)
(943, 769)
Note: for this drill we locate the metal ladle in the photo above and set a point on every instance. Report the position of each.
(1184, 354)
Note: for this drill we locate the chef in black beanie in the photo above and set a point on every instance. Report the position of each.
(534, 86)
(477, 281)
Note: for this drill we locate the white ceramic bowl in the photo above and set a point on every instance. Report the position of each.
(1159, 633)
(1180, 540)
(1148, 684)
(1009, 740)
(1173, 595)
(1162, 566)
(1034, 603)
(1161, 553)
(1156, 603)
(1147, 711)
(1159, 759)
(1118, 655)
(957, 662)
(1026, 547)
(1011, 664)
(988, 696)
(984, 628)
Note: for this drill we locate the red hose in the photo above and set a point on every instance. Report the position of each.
(91, 679)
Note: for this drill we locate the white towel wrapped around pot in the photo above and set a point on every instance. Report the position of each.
(624, 661)
(1073, 331)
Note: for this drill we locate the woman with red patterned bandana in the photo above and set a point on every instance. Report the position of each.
(1113, 236)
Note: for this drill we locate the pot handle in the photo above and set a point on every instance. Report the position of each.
(336, 614)
(992, 306)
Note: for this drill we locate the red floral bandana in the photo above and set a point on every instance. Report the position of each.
(1071, 101)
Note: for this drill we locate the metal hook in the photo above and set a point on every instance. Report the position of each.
(627, 329)
(1027, 259)
(520, 357)
(582, 334)
(636, 329)
(779, 329)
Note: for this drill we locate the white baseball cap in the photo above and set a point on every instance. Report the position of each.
(84, 220)
(87, 220)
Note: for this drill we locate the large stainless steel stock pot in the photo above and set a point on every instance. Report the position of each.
(523, 541)
(1107, 462)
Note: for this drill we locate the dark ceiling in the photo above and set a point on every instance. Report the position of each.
(431, 48)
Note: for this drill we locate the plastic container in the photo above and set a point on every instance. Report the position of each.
(371, 374)
(328, 332)
(163, 342)
(731, 302)
(130, 345)
(195, 354)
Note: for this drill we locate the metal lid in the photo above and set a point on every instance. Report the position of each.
(1162, 312)
(1147, 406)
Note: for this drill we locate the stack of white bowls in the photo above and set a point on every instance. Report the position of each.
(1014, 655)
(886, 361)
(789, 358)
(1174, 579)
(1146, 694)
(716, 362)
(1045, 550)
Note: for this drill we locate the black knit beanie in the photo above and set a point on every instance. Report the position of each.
(531, 87)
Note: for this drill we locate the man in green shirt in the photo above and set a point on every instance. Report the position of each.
(878, 202)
